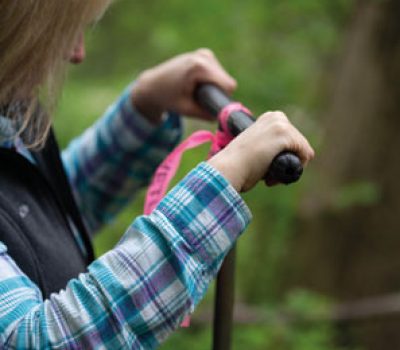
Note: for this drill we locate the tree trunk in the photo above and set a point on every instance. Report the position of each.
(348, 237)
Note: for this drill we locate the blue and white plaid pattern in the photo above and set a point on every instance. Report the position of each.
(134, 296)
(116, 157)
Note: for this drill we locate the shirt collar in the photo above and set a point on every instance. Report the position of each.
(8, 139)
(7, 131)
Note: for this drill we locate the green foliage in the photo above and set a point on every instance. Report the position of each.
(256, 337)
(296, 329)
(278, 51)
(306, 305)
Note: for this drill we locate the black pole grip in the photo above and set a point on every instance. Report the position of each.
(286, 167)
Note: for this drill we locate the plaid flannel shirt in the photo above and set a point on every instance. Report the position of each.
(135, 295)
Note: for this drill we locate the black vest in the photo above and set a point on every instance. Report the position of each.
(36, 203)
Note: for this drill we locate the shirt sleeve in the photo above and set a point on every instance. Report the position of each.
(116, 157)
(139, 292)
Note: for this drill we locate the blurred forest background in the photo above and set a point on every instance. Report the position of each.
(319, 267)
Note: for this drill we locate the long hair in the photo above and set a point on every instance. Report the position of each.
(36, 38)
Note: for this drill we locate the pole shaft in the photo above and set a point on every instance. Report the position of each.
(224, 302)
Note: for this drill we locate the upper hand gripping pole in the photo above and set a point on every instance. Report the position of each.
(286, 167)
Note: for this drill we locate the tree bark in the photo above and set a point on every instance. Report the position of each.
(348, 236)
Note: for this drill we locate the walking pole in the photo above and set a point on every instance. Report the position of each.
(285, 168)
(224, 302)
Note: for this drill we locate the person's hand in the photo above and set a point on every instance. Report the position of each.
(170, 86)
(247, 158)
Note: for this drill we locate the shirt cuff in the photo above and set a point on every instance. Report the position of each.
(206, 210)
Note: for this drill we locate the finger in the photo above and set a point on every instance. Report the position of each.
(307, 149)
(192, 109)
(209, 70)
(214, 73)
(229, 83)
(302, 147)
(296, 142)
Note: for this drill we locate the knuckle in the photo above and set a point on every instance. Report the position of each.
(204, 51)
(196, 62)
(265, 117)
(281, 128)
(280, 115)
(276, 116)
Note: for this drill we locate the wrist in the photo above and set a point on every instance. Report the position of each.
(144, 102)
(228, 170)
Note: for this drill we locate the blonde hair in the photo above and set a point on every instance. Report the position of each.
(36, 37)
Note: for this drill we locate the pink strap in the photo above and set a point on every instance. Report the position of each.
(167, 169)
(227, 111)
